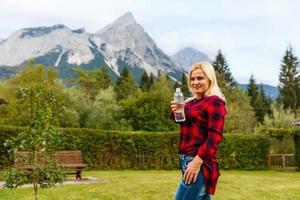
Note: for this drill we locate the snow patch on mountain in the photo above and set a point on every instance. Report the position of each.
(27, 44)
(129, 39)
(124, 43)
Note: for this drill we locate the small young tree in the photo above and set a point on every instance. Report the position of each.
(42, 110)
(280, 117)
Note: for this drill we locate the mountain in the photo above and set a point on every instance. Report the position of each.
(56, 42)
(188, 56)
(124, 43)
(270, 91)
(1, 39)
(133, 46)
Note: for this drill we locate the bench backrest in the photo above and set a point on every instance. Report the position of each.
(68, 157)
(62, 157)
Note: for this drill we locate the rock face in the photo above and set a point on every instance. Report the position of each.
(124, 43)
(188, 56)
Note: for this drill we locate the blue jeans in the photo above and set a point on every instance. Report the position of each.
(194, 191)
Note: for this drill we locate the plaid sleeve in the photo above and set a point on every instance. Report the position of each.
(216, 113)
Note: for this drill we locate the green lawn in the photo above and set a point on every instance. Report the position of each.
(161, 185)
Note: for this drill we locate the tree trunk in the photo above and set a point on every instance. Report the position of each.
(36, 195)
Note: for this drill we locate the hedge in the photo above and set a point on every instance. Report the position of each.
(147, 150)
(242, 151)
(288, 133)
(280, 133)
(297, 149)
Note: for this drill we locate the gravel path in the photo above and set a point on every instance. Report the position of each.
(86, 180)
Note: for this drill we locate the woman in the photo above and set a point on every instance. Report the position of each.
(200, 134)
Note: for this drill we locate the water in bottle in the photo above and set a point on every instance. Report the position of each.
(179, 99)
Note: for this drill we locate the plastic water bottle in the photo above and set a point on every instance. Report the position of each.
(179, 98)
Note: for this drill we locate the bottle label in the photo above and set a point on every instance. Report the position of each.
(179, 114)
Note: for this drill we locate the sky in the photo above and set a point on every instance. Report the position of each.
(252, 35)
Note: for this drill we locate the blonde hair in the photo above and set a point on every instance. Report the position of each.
(209, 71)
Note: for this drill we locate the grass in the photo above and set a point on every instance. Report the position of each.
(161, 185)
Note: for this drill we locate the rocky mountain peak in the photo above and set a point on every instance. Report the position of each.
(125, 33)
(188, 56)
(39, 31)
(126, 19)
(124, 43)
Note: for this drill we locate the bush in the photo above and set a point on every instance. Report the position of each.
(5, 133)
(148, 150)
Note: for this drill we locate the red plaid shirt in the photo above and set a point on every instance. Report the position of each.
(201, 133)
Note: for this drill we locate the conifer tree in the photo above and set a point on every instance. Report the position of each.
(252, 90)
(262, 105)
(151, 80)
(184, 85)
(145, 82)
(224, 76)
(103, 78)
(176, 85)
(289, 80)
(258, 99)
(125, 85)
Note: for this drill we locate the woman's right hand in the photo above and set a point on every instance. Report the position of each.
(173, 106)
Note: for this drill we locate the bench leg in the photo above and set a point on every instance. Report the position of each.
(78, 175)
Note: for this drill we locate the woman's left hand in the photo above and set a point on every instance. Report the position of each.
(192, 171)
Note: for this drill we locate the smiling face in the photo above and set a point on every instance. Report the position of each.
(199, 83)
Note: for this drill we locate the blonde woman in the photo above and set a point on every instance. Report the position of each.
(200, 134)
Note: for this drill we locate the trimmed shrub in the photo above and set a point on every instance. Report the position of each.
(147, 150)
(244, 152)
(297, 149)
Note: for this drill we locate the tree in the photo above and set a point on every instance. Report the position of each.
(252, 90)
(150, 111)
(279, 118)
(31, 76)
(103, 78)
(91, 82)
(261, 105)
(258, 99)
(106, 113)
(224, 76)
(41, 108)
(151, 81)
(184, 85)
(289, 81)
(164, 86)
(145, 82)
(241, 117)
(125, 85)
(76, 110)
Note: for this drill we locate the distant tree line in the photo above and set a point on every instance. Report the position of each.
(94, 101)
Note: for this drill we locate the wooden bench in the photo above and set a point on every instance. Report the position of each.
(71, 160)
